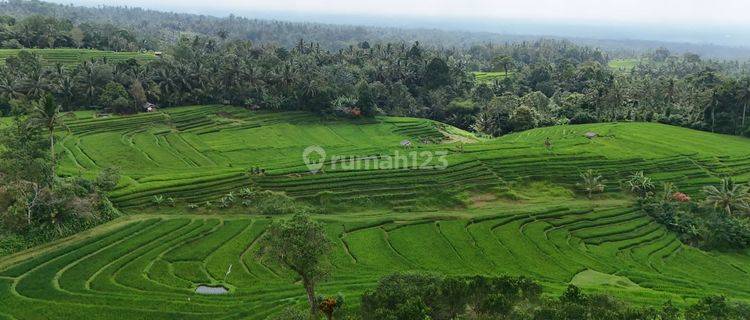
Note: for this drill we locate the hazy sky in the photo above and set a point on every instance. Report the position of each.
(674, 12)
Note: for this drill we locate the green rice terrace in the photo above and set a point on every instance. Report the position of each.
(69, 57)
(500, 206)
(489, 77)
(623, 65)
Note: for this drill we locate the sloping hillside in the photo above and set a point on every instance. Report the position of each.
(200, 153)
(514, 213)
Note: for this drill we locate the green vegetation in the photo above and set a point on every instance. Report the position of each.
(203, 153)
(72, 57)
(504, 206)
(424, 296)
(490, 77)
(718, 222)
(623, 65)
(150, 265)
(288, 178)
(300, 245)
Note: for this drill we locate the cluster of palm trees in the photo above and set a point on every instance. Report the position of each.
(204, 70)
(557, 81)
(728, 196)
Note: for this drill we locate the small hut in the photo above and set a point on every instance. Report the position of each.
(406, 144)
(591, 135)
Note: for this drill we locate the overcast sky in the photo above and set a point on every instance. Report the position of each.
(672, 12)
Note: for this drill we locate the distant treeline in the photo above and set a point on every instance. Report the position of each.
(538, 83)
(157, 29)
(37, 31)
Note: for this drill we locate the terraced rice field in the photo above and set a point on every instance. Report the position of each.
(74, 56)
(489, 77)
(199, 153)
(623, 65)
(147, 266)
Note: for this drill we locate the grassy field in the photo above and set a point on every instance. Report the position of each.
(148, 266)
(623, 65)
(74, 56)
(489, 77)
(195, 154)
(501, 206)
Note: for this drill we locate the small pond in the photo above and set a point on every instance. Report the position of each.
(206, 289)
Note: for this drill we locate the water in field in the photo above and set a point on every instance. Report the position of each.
(204, 289)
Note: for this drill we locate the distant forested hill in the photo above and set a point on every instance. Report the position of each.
(157, 28)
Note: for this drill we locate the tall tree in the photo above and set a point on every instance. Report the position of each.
(504, 62)
(300, 245)
(47, 114)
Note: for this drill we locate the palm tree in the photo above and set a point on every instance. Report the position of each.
(36, 84)
(591, 183)
(46, 114)
(10, 87)
(640, 184)
(730, 197)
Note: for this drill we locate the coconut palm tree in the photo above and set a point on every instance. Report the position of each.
(10, 87)
(591, 182)
(729, 197)
(47, 114)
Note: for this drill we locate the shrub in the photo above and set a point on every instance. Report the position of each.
(591, 182)
(700, 226)
(717, 308)
(10, 242)
(274, 202)
(291, 314)
(107, 179)
(158, 199)
(425, 296)
(639, 184)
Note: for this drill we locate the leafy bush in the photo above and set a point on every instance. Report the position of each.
(274, 202)
(591, 182)
(107, 179)
(704, 226)
(717, 308)
(424, 296)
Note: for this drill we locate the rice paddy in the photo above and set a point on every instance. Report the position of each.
(501, 206)
(624, 65)
(69, 57)
(489, 77)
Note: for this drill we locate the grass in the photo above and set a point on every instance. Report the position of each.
(623, 65)
(69, 57)
(198, 154)
(150, 265)
(489, 77)
(501, 206)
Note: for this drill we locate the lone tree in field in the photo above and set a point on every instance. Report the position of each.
(729, 197)
(300, 245)
(503, 62)
(591, 182)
